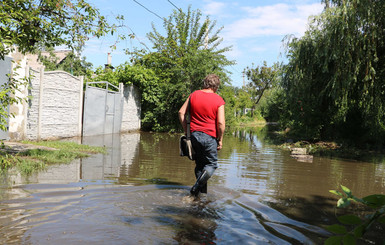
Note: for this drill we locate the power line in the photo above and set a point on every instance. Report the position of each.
(148, 9)
(136, 37)
(174, 5)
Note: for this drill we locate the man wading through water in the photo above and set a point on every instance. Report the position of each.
(207, 125)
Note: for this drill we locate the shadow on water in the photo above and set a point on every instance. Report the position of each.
(139, 194)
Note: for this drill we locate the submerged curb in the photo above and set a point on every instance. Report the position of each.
(17, 147)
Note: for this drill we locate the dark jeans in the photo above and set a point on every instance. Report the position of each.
(206, 154)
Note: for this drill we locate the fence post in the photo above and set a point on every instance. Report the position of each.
(80, 130)
(25, 103)
(41, 89)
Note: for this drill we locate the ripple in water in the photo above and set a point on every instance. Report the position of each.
(94, 213)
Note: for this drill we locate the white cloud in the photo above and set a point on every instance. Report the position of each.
(279, 19)
(214, 8)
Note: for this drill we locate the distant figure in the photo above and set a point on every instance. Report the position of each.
(207, 126)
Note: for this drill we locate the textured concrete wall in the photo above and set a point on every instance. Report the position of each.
(55, 106)
(131, 109)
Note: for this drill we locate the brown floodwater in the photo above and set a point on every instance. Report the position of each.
(139, 194)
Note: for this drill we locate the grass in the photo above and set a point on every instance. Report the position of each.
(53, 152)
(250, 121)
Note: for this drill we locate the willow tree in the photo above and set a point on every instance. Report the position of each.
(188, 50)
(335, 78)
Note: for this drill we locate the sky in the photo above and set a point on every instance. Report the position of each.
(255, 29)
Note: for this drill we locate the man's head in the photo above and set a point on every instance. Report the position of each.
(211, 81)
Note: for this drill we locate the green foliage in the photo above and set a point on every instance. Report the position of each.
(37, 159)
(68, 146)
(359, 225)
(334, 81)
(7, 96)
(6, 161)
(182, 58)
(108, 75)
(261, 78)
(45, 23)
(72, 64)
(228, 94)
(30, 25)
(273, 106)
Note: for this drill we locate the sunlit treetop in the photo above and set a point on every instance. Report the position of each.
(28, 25)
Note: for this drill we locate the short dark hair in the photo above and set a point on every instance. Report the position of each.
(211, 81)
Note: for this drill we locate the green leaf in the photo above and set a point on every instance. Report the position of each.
(337, 229)
(336, 192)
(334, 240)
(381, 219)
(343, 202)
(349, 240)
(349, 219)
(358, 199)
(359, 231)
(375, 201)
(347, 191)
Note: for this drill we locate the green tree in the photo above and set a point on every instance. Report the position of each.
(228, 94)
(187, 52)
(261, 78)
(335, 76)
(72, 64)
(148, 83)
(27, 24)
(244, 100)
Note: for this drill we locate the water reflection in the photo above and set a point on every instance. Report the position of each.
(138, 194)
(121, 149)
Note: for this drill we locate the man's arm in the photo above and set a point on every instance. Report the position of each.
(221, 125)
(181, 114)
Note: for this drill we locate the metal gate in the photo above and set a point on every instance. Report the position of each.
(102, 109)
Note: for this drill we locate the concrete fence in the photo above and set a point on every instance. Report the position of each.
(54, 105)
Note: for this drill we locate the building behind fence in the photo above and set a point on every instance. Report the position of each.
(54, 104)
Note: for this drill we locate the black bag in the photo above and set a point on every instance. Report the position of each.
(185, 148)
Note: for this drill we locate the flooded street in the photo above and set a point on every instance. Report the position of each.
(139, 194)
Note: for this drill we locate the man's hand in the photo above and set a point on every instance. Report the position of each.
(219, 145)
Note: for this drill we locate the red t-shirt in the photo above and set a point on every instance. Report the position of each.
(204, 108)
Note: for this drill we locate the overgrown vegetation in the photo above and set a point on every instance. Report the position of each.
(353, 227)
(37, 159)
(30, 25)
(72, 63)
(181, 59)
(333, 85)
